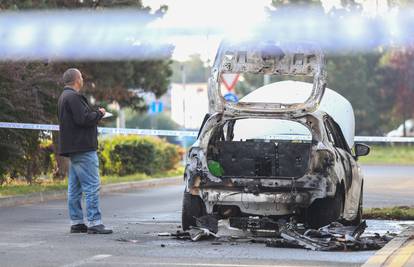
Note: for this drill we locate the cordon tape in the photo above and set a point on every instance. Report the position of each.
(109, 130)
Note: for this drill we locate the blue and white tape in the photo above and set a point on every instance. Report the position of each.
(108, 130)
(103, 130)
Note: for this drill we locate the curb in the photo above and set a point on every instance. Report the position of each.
(40, 197)
(396, 253)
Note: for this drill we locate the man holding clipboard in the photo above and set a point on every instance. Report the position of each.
(78, 140)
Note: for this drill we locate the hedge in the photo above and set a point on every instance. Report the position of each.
(128, 154)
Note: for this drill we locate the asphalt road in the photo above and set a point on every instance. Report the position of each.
(388, 186)
(38, 235)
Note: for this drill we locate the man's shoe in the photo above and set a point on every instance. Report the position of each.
(78, 228)
(99, 229)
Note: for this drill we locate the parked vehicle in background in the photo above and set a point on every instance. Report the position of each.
(399, 132)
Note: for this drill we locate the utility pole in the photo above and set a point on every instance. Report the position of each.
(183, 83)
(120, 121)
(266, 79)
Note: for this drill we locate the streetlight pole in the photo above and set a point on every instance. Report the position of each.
(183, 83)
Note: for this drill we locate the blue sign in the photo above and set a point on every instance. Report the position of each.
(156, 107)
(230, 97)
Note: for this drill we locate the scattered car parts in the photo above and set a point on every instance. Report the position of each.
(333, 237)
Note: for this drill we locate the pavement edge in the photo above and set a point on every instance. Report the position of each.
(40, 197)
(394, 253)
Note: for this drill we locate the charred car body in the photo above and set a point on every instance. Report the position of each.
(285, 149)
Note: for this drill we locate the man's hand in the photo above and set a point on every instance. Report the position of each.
(103, 111)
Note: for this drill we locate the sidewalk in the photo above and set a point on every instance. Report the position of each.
(399, 252)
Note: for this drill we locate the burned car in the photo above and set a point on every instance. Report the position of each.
(284, 150)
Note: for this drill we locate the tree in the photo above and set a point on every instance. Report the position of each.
(356, 76)
(111, 80)
(27, 94)
(400, 86)
(195, 70)
(29, 90)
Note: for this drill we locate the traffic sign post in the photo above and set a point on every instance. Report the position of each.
(230, 97)
(156, 107)
(230, 80)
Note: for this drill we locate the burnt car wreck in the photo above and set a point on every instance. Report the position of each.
(286, 150)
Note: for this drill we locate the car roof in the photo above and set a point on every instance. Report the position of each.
(332, 103)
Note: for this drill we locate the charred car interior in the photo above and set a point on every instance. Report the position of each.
(258, 157)
(285, 150)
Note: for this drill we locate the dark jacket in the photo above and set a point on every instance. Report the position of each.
(77, 123)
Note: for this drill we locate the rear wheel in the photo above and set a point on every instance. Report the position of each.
(326, 210)
(193, 207)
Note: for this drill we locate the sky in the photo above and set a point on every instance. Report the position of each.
(233, 16)
(191, 26)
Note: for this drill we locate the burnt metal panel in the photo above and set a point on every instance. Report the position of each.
(263, 159)
(246, 158)
(293, 159)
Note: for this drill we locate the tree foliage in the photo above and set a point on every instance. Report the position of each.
(356, 76)
(27, 94)
(398, 81)
(195, 70)
(29, 90)
(362, 78)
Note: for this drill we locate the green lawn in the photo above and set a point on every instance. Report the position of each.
(393, 155)
(393, 213)
(16, 188)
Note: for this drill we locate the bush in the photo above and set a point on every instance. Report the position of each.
(123, 155)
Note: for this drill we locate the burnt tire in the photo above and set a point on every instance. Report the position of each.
(358, 218)
(326, 210)
(193, 207)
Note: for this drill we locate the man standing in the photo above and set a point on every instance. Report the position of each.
(78, 140)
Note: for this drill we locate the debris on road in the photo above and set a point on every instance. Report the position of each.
(207, 226)
(332, 237)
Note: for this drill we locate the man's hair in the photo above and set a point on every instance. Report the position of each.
(70, 76)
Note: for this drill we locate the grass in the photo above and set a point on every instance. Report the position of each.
(389, 155)
(392, 213)
(22, 188)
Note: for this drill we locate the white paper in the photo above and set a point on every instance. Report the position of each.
(107, 115)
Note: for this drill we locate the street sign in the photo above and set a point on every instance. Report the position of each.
(156, 107)
(230, 97)
(229, 80)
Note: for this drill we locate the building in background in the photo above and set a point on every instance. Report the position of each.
(189, 104)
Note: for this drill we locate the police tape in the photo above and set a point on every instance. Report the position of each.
(109, 130)
(102, 130)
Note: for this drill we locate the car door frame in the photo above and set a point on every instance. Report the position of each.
(354, 180)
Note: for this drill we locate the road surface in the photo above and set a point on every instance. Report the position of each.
(388, 186)
(38, 235)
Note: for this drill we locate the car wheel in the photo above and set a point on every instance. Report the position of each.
(193, 207)
(358, 218)
(326, 210)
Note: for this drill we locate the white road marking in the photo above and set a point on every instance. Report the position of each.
(21, 245)
(201, 264)
(88, 260)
